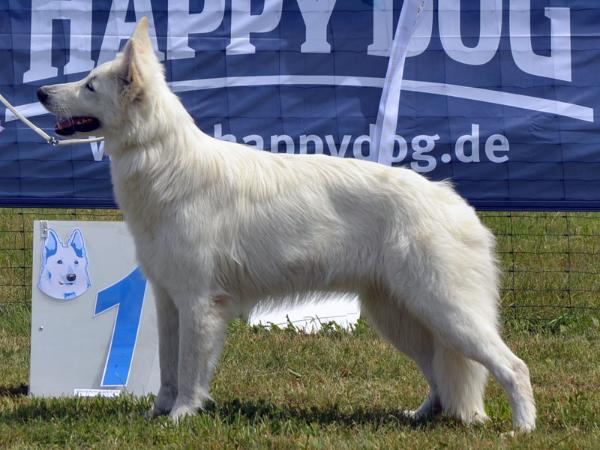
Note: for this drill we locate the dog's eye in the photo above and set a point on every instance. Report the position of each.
(90, 87)
(76, 262)
(59, 261)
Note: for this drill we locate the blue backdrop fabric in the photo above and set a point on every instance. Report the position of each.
(498, 96)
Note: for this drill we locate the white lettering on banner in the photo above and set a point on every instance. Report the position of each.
(43, 13)
(422, 159)
(394, 158)
(383, 29)
(243, 22)
(490, 29)
(315, 140)
(473, 139)
(558, 64)
(117, 29)
(422, 145)
(496, 143)
(333, 149)
(316, 15)
(97, 150)
(182, 23)
(255, 140)
(282, 139)
(357, 148)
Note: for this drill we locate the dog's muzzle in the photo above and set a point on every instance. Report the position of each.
(42, 95)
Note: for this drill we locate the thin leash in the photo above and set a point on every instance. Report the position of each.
(51, 140)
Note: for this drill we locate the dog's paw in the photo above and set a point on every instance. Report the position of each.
(516, 433)
(524, 428)
(180, 412)
(417, 416)
(479, 419)
(430, 409)
(155, 412)
(163, 403)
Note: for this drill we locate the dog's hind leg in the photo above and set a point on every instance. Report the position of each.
(465, 329)
(402, 330)
(168, 352)
(461, 384)
(202, 325)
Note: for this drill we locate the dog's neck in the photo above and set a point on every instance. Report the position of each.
(157, 149)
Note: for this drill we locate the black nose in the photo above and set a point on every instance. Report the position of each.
(71, 277)
(42, 95)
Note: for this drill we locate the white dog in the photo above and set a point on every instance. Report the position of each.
(64, 274)
(218, 226)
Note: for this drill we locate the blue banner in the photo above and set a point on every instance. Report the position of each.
(498, 96)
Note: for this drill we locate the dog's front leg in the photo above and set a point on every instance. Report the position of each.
(202, 324)
(168, 352)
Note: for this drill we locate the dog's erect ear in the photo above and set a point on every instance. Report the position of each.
(126, 62)
(140, 34)
(50, 245)
(76, 243)
(137, 54)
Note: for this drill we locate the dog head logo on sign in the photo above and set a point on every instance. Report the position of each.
(64, 274)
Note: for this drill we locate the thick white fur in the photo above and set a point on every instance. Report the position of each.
(219, 226)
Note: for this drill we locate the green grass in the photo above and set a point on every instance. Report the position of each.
(284, 389)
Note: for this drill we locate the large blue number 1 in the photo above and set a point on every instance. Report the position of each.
(128, 296)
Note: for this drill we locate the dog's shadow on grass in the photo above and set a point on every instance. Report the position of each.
(14, 391)
(229, 411)
(232, 410)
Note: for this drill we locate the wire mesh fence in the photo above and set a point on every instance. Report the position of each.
(550, 261)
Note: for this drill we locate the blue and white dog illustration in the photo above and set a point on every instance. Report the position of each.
(64, 273)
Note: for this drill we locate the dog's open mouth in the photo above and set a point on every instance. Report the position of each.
(67, 127)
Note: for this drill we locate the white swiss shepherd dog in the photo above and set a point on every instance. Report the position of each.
(219, 226)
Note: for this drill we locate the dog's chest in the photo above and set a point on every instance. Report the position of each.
(168, 241)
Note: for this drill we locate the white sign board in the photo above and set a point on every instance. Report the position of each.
(93, 328)
(103, 339)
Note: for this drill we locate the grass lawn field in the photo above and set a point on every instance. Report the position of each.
(336, 389)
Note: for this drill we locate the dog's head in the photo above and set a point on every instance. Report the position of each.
(110, 97)
(64, 273)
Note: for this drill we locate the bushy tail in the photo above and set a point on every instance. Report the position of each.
(460, 384)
